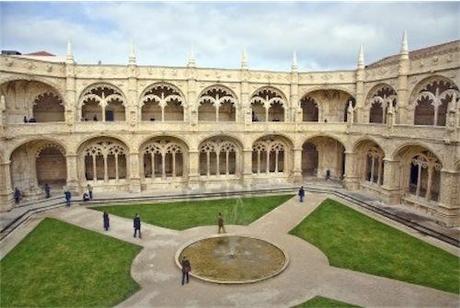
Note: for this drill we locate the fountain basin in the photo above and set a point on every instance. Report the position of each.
(233, 259)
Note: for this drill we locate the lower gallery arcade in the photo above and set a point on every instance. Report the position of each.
(414, 172)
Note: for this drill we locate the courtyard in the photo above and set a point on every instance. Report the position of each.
(337, 255)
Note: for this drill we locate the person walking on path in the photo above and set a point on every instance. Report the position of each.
(106, 219)
(68, 197)
(47, 190)
(90, 191)
(301, 193)
(220, 223)
(137, 225)
(17, 195)
(186, 268)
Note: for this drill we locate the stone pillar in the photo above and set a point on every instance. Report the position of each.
(405, 116)
(297, 170)
(246, 112)
(351, 178)
(70, 99)
(72, 173)
(194, 169)
(391, 181)
(132, 111)
(134, 174)
(6, 192)
(360, 99)
(294, 98)
(449, 205)
(191, 96)
(247, 167)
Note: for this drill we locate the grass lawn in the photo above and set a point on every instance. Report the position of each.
(320, 302)
(62, 265)
(357, 242)
(186, 214)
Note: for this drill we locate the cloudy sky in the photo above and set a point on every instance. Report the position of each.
(325, 35)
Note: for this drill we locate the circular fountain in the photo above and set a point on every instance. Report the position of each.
(233, 259)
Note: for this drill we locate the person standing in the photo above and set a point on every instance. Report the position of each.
(186, 268)
(137, 225)
(68, 197)
(47, 190)
(90, 191)
(106, 219)
(220, 223)
(17, 195)
(301, 193)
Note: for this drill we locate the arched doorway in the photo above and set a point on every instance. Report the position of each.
(322, 156)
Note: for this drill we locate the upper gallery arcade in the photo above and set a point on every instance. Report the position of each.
(390, 128)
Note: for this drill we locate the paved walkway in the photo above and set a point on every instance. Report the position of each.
(307, 275)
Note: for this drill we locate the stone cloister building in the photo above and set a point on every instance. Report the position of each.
(390, 128)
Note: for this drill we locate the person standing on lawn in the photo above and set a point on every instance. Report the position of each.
(220, 223)
(106, 219)
(137, 225)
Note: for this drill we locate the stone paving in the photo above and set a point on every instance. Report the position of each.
(308, 274)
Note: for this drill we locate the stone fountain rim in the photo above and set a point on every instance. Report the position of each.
(188, 243)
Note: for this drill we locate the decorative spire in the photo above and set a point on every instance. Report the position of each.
(191, 58)
(294, 66)
(69, 56)
(132, 54)
(404, 45)
(361, 57)
(244, 59)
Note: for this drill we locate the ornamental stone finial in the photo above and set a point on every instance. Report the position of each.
(69, 56)
(361, 57)
(294, 65)
(404, 44)
(244, 59)
(191, 58)
(132, 54)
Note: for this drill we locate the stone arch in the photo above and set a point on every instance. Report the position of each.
(220, 155)
(432, 98)
(35, 163)
(378, 101)
(163, 157)
(268, 104)
(332, 103)
(32, 101)
(162, 101)
(102, 102)
(369, 161)
(272, 154)
(217, 103)
(323, 156)
(420, 173)
(103, 161)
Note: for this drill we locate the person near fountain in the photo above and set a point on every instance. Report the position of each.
(105, 218)
(220, 223)
(301, 193)
(137, 225)
(186, 268)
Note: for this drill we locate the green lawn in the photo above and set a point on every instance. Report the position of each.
(62, 265)
(323, 302)
(355, 241)
(186, 214)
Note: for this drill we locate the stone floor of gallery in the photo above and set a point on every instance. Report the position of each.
(327, 257)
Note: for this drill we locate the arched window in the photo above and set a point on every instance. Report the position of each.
(163, 158)
(162, 102)
(268, 104)
(218, 104)
(424, 178)
(104, 160)
(102, 103)
(310, 112)
(219, 156)
(380, 99)
(269, 156)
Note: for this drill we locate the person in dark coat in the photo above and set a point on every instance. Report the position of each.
(68, 197)
(17, 195)
(220, 223)
(186, 268)
(47, 190)
(85, 197)
(105, 218)
(301, 193)
(137, 225)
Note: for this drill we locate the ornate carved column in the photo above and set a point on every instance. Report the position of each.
(191, 95)
(72, 173)
(297, 170)
(360, 78)
(6, 192)
(194, 171)
(351, 178)
(2, 114)
(133, 113)
(449, 203)
(134, 174)
(403, 71)
(391, 180)
(247, 167)
(70, 99)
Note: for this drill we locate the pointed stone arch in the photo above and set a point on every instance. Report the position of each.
(268, 104)
(217, 103)
(220, 156)
(271, 154)
(162, 102)
(378, 101)
(102, 102)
